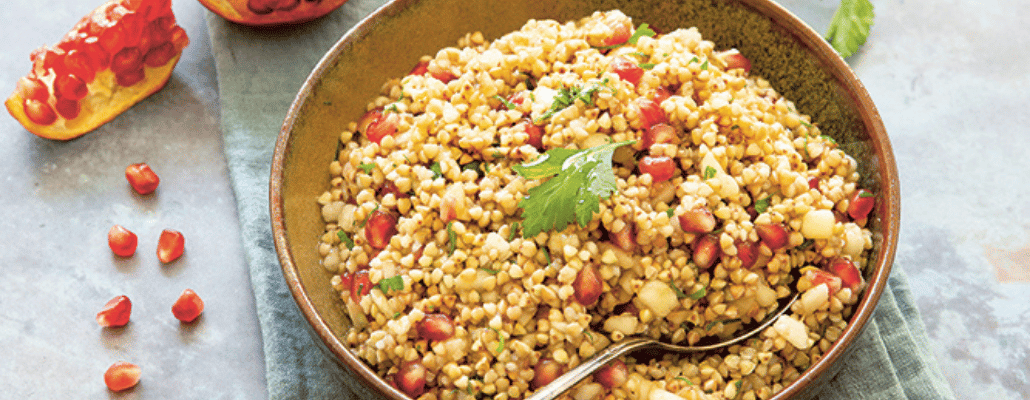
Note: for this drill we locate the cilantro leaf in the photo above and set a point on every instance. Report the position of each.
(452, 237)
(579, 179)
(567, 96)
(646, 65)
(710, 172)
(368, 167)
(866, 194)
(507, 104)
(345, 239)
(698, 294)
(394, 283)
(762, 204)
(849, 27)
(437, 172)
(684, 379)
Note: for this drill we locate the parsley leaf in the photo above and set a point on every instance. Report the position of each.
(367, 167)
(579, 179)
(345, 239)
(513, 230)
(698, 294)
(762, 204)
(394, 283)
(452, 237)
(567, 96)
(437, 172)
(849, 27)
(710, 172)
(646, 65)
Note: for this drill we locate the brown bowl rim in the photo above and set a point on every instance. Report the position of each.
(888, 205)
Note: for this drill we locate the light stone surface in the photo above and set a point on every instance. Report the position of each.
(951, 80)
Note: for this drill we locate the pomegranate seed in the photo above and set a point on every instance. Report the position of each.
(813, 182)
(376, 125)
(121, 376)
(32, 89)
(847, 271)
(360, 285)
(127, 79)
(115, 313)
(747, 252)
(588, 286)
(170, 246)
(391, 188)
(820, 277)
(441, 74)
(98, 56)
(518, 98)
(735, 60)
(546, 371)
(127, 60)
(435, 327)
(627, 70)
(661, 168)
(658, 133)
(613, 375)
(179, 38)
(122, 241)
(159, 55)
(380, 227)
(411, 378)
(188, 306)
(698, 220)
(420, 69)
(625, 238)
(535, 132)
(79, 64)
(142, 178)
(861, 204)
(706, 251)
(620, 33)
(773, 235)
(650, 113)
(39, 112)
(67, 109)
(261, 7)
(453, 198)
(70, 87)
(660, 95)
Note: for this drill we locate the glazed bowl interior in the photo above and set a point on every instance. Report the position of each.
(793, 57)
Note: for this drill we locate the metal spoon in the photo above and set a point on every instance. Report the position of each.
(573, 376)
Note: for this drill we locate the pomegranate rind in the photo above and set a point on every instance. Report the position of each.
(100, 106)
(237, 11)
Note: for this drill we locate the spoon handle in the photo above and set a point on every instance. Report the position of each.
(569, 379)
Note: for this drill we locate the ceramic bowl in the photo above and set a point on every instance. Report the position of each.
(783, 49)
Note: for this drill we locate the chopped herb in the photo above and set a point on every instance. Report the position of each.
(579, 179)
(709, 172)
(500, 339)
(509, 105)
(704, 65)
(437, 172)
(367, 167)
(391, 107)
(646, 65)
(641, 31)
(849, 27)
(394, 283)
(345, 239)
(547, 255)
(866, 194)
(513, 230)
(679, 293)
(694, 60)
(472, 166)
(452, 237)
(698, 294)
(365, 221)
(738, 383)
(670, 212)
(396, 314)
(567, 96)
(806, 244)
(828, 139)
(590, 336)
(489, 271)
(497, 154)
(713, 323)
(805, 123)
(685, 380)
(639, 54)
(762, 205)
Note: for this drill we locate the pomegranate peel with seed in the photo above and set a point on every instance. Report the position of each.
(113, 58)
(271, 12)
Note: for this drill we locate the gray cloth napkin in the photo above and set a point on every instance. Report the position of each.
(259, 73)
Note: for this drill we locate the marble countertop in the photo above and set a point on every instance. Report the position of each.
(951, 81)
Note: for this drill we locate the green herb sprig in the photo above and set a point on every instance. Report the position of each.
(850, 25)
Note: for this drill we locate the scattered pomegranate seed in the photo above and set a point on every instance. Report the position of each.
(441, 74)
(747, 252)
(420, 69)
(613, 375)
(706, 251)
(39, 112)
(360, 285)
(650, 113)
(379, 228)
(376, 125)
(698, 220)
(847, 271)
(659, 95)
(121, 376)
(122, 241)
(625, 238)
(820, 277)
(170, 246)
(115, 313)
(588, 286)
(535, 132)
(188, 306)
(661, 168)
(70, 87)
(411, 378)
(546, 371)
(773, 235)
(861, 204)
(391, 188)
(435, 327)
(813, 182)
(142, 178)
(735, 60)
(658, 133)
(619, 34)
(627, 70)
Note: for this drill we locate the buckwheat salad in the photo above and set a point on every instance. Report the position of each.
(512, 207)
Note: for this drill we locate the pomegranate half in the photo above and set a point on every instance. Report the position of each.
(271, 12)
(111, 59)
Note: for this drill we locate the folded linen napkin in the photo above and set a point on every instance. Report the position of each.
(259, 73)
